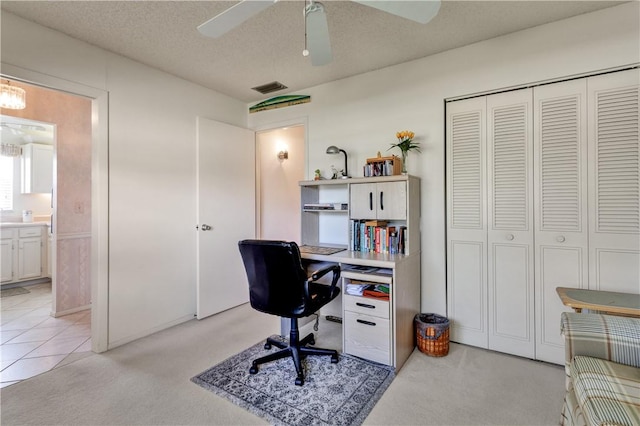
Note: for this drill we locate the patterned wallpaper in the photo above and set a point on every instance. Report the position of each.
(72, 115)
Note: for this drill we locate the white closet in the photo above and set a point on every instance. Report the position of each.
(542, 191)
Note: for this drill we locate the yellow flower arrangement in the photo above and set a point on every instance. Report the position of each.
(406, 144)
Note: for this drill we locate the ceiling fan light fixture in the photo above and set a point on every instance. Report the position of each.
(12, 97)
(317, 44)
(232, 17)
(421, 11)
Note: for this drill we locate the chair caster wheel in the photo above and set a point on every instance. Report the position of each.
(253, 369)
(299, 381)
(267, 346)
(334, 359)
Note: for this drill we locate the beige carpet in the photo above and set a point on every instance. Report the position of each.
(148, 382)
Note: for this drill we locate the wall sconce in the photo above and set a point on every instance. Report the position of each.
(335, 150)
(283, 155)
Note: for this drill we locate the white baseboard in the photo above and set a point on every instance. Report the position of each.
(148, 332)
(70, 311)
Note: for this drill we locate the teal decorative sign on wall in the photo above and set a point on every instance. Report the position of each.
(280, 102)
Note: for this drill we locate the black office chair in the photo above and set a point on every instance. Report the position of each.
(278, 285)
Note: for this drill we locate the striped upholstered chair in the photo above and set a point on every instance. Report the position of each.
(602, 366)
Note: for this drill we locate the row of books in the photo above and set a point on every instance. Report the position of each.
(378, 169)
(377, 237)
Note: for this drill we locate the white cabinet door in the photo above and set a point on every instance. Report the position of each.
(226, 203)
(29, 258)
(510, 230)
(362, 201)
(392, 200)
(37, 168)
(7, 259)
(614, 181)
(384, 200)
(560, 205)
(467, 221)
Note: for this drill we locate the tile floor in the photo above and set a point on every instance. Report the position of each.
(32, 341)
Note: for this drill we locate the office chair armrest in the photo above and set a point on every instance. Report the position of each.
(315, 276)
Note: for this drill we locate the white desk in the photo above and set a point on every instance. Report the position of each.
(376, 329)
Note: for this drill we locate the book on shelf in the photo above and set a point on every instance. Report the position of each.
(377, 237)
(382, 166)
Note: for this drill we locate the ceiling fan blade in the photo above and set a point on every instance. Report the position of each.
(232, 17)
(318, 43)
(421, 11)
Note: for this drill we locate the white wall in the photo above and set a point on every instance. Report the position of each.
(279, 193)
(362, 114)
(152, 133)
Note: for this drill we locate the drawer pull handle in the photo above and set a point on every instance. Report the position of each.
(366, 322)
(365, 305)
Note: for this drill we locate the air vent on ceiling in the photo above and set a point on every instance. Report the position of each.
(274, 86)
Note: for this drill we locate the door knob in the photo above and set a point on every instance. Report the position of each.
(510, 237)
(560, 239)
(206, 227)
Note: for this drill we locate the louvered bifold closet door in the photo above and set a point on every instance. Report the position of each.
(560, 206)
(614, 182)
(510, 223)
(467, 221)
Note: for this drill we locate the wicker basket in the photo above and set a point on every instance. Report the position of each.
(432, 334)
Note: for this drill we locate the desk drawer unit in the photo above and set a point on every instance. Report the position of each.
(367, 336)
(366, 306)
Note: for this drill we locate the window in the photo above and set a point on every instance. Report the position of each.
(6, 183)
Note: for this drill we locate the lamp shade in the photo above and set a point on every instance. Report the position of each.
(335, 150)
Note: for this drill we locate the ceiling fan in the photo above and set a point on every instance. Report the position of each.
(317, 45)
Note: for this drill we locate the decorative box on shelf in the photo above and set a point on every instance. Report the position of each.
(383, 166)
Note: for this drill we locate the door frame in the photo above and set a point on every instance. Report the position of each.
(99, 191)
(276, 125)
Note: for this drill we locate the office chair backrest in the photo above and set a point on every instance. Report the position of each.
(276, 276)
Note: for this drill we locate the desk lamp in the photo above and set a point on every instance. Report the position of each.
(335, 150)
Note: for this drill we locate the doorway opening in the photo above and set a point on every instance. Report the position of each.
(96, 206)
(278, 190)
(50, 217)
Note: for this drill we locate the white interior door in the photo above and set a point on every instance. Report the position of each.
(510, 230)
(226, 213)
(467, 221)
(560, 205)
(614, 181)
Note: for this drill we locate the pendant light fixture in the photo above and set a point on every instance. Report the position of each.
(12, 97)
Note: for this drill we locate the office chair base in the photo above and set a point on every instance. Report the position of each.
(297, 350)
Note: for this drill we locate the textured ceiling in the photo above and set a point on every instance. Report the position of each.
(268, 47)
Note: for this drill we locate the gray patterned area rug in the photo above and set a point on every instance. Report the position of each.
(332, 394)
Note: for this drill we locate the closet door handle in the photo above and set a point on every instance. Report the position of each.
(510, 237)
(560, 238)
(366, 322)
(370, 200)
(365, 305)
(381, 200)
